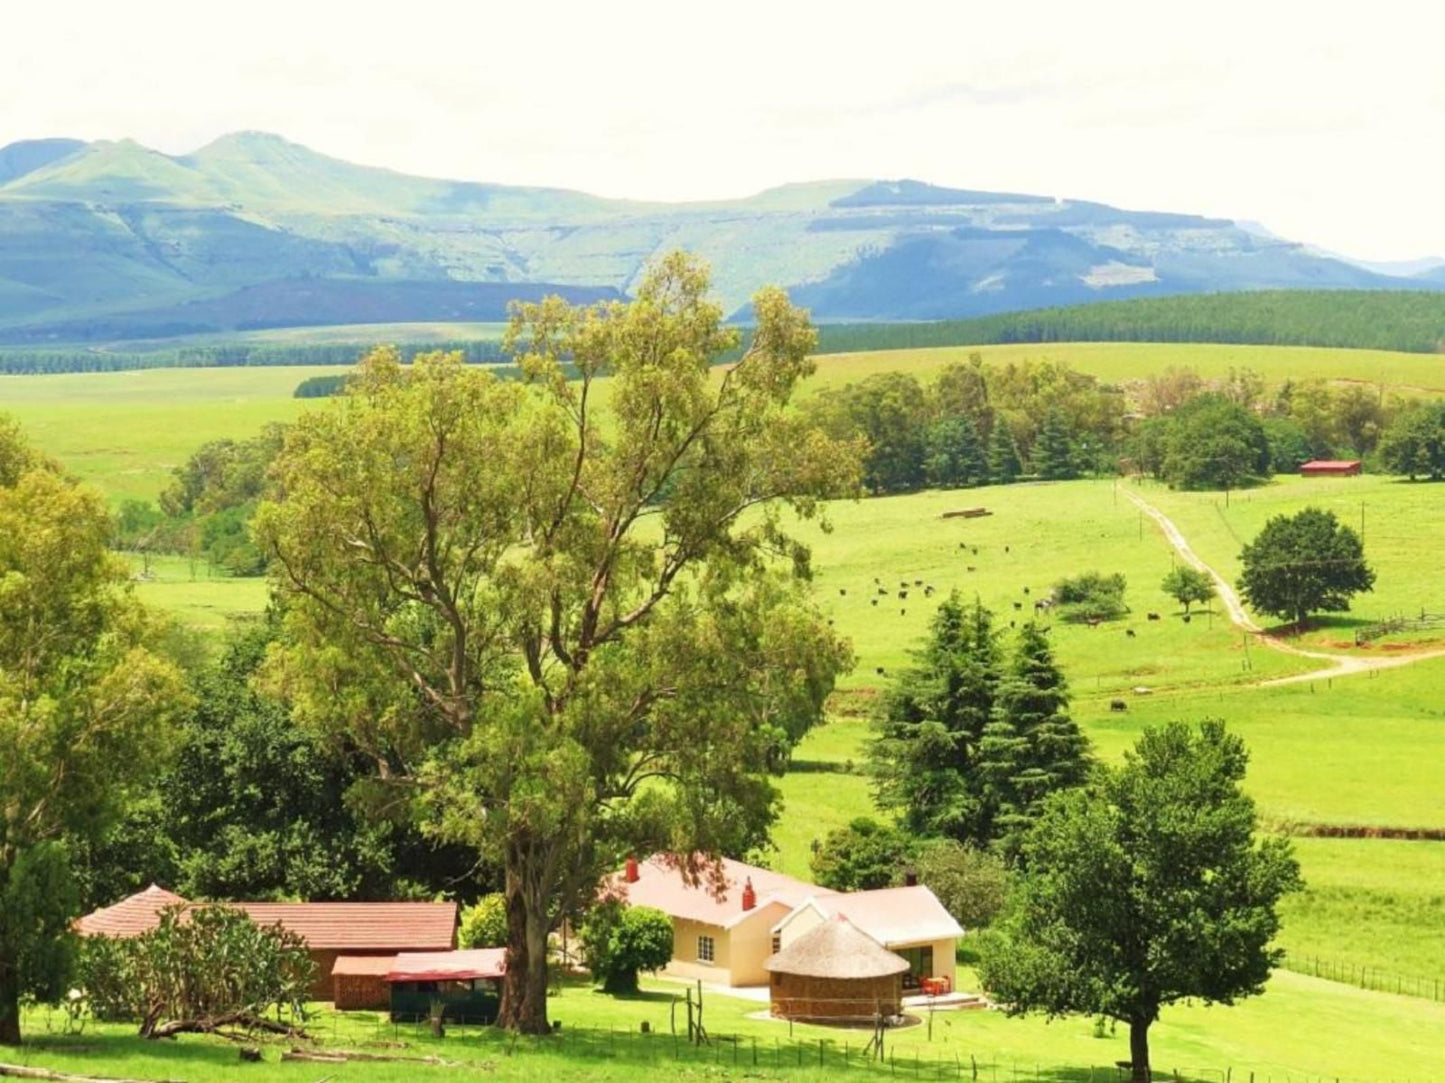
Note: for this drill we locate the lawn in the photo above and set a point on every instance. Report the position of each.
(195, 594)
(1301, 1027)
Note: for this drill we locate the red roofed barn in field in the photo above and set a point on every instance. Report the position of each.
(1330, 468)
(342, 938)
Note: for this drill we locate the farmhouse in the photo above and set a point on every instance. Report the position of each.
(345, 940)
(1330, 468)
(724, 933)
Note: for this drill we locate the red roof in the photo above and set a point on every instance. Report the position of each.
(140, 913)
(362, 966)
(661, 885)
(892, 915)
(363, 926)
(1331, 464)
(449, 965)
(374, 927)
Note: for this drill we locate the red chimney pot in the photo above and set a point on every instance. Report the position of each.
(750, 897)
(630, 874)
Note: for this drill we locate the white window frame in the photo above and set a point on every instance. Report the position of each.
(706, 950)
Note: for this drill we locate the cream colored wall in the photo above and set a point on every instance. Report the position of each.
(738, 953)
(945, 954)
(685, 963)
(752, 942)
(801, 922)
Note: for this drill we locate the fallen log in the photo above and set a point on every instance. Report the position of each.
(22, 1071)
(244, 1020)
(338, 1056)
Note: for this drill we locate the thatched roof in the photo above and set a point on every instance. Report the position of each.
(836, 948)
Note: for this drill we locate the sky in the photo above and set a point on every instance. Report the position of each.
(1324, 122)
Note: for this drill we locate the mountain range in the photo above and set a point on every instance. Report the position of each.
(106, 241)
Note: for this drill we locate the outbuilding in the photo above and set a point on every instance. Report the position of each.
(1330, 468)
(462, 983)
(836, 973)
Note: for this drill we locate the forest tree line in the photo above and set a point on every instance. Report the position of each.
(976, 423)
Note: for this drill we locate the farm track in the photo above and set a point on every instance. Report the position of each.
(1336, 665)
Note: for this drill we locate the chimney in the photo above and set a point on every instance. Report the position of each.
(750, 897)
(630, 874)
(910, 879)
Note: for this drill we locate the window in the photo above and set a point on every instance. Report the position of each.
(705, 949)
(920, 965)
(777, 943)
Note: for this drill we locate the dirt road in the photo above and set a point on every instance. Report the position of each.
(1335, 665)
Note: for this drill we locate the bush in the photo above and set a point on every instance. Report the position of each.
(972, 884)
(484, 925)
(862, 856)
(619, 940)
(1091, 596)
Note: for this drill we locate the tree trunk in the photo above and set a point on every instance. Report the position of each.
(1139, 1050)
(524, 987)
(9, 1006)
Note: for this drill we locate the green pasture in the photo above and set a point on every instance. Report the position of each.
(1403, 524)
(1115, 362)
(126, 431)
(1373, 911)
(197, 595)
(1301, 1028)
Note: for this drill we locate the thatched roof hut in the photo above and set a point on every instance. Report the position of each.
(836, 973)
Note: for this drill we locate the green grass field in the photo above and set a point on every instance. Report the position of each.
(1302, 1028)
(1114, 362)
(1402, 524)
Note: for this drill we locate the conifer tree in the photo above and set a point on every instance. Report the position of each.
(930, 725)
(955, 454)
(1004, 466)
(1054, 450)
(1031, 748)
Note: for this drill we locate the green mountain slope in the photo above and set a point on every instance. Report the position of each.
(113, 234)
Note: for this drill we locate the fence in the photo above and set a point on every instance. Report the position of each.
(1366, 977)
(1425, 622)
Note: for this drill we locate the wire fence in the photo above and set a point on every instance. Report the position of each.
(1373, 978)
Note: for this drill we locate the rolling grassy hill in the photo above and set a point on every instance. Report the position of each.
(113, 240)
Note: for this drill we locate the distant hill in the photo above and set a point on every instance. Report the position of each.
(1410, 321)
(115, 239)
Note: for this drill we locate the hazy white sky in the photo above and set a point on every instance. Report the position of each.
(1325, 122)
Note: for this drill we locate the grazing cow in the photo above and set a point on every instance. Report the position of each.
(882, 590)
(918, 582)
(1129, 632)
(1026, 590)
(903, 612)
(1093, 622)
(875, 601)
(1005, 548)
(1018, 605)
(1153, 616)
(903, 594)
(843, 591)
(1013, 624)
(1186, 618)
(975, 550)
(1118, 705)
(972, 568)
(880, 671)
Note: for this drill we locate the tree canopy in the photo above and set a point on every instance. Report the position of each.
(1188, 585)
(1143, 889)
(1414, 443)
(86, 709)
(565, 631)
(862, 856)
(1304, 563)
